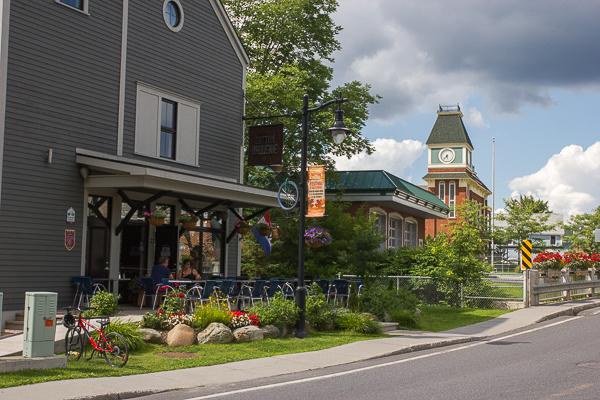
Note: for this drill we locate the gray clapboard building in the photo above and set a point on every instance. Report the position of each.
(109, 109)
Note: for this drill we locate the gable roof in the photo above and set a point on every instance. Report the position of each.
(382, 182)
(232, 35)
(449, 129)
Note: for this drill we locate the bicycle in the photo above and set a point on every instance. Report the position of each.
(111, 345)
(288, 195)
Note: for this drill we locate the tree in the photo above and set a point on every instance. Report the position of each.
(522, 222)
(582, 228)
(288, 42)
(536, 205)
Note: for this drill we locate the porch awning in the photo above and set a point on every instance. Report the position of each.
(133, 175)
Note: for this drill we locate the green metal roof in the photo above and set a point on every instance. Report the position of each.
(449, 129)
(455, 175)
(378, 181)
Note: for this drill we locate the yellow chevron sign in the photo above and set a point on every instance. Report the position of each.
(526, 255)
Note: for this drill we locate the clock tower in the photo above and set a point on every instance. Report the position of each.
(450, 172)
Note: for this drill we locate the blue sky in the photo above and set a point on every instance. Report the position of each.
(526, 73)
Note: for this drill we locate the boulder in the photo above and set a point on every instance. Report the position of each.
(215, 333)
(151, 336)
(181, 335)
(417, 312)
(248, 333)
(270, 331)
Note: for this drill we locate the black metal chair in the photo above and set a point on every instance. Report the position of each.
(252, 293)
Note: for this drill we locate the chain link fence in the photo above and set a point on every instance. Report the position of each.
(492, 292)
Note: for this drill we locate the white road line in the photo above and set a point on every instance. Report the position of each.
(316, 378)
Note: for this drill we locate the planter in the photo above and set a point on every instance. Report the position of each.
(242, 230)
(314, 245)
(265, 231)
(189, 225)
(155, 221)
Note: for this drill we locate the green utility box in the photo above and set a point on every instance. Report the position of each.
(40, 324)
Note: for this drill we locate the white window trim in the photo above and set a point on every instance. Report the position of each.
(412, 221)
(70, 7)
(442, 191)
(180, 100)
(180, 25)
(452, 199)
(399, 239)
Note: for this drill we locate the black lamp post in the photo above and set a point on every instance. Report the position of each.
(338, 131)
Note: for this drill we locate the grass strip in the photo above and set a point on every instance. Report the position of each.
(146, 361)
(437, 319)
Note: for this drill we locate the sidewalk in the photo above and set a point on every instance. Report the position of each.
(399, 342)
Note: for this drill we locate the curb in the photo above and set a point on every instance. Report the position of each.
(568, 312)
(123, 396)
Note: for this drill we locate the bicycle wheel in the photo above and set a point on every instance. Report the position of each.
(73, 344)
(288, 195)
(115, 350)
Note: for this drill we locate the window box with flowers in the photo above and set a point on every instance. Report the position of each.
(264, 229)
(316, 237)
(156, 217)
(242, 227)
(188, 221)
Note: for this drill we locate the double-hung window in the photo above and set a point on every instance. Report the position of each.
(410, 237)
(167, 125)
(81, 5)
(395, 233)
(381, 227)
(168, 129)
(451, 199)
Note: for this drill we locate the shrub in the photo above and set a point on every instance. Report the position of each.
(379, 302)
(152, 320)
(353, 297)
(103, 303)
(318, 310)
(174, 302)
(356, 322)
(280, 312)
(130, 331)
(405, 318)
(209, 313)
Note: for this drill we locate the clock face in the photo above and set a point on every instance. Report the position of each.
(447, 156)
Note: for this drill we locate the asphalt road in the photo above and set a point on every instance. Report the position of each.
(559, 359)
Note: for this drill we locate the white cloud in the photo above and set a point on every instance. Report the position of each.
(569, 181)
(390, 155)
(473, 116)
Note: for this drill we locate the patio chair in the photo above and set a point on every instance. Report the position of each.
(201, 294)
(252, 293)
(339, 287)
(271, 289)
(359, 285)
(324, 285)
(149, 290)
(224, 289)
(288, 290)
(84, 289)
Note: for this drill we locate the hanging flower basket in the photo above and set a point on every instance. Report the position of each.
(242, 230)
(189, 225)
(155, 221)
(264, 229)
(314, 245)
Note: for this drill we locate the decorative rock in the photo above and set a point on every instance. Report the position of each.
(215, 333)
(181, 335)
(417, 312)
(270, 331)
(248, 333)
(285, 331)
(151, 336)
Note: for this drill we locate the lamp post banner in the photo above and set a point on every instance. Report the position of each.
(316, 191)
(265, 145)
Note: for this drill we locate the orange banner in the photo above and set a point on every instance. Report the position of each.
(316, 191)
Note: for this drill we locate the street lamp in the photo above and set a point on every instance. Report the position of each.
(338, 131)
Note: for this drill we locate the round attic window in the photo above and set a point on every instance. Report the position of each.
(173, 15)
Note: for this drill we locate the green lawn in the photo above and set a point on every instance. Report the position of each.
(436, 319)
(145, 361)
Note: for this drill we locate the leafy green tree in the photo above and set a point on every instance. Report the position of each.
(538, 206)
(288, 42)
(522, 222)
(582, 228)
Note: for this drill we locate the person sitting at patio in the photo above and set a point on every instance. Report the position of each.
(187, 272)
(161, 270)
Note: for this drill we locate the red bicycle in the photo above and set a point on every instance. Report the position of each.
(110, 345)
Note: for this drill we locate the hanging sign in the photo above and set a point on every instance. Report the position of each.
(316, 191)
(265, 145)
(71, 215)
(69, 239)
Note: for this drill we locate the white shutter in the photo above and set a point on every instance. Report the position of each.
(188, 129)
(147, 124)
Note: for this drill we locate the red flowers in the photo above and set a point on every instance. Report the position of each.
(181, 295)
(172, 295)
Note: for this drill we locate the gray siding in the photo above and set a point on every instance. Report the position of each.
(62, 92)
(197, 62)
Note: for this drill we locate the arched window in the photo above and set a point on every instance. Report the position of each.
(410, 233)
(442, 192)
(452, 199)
